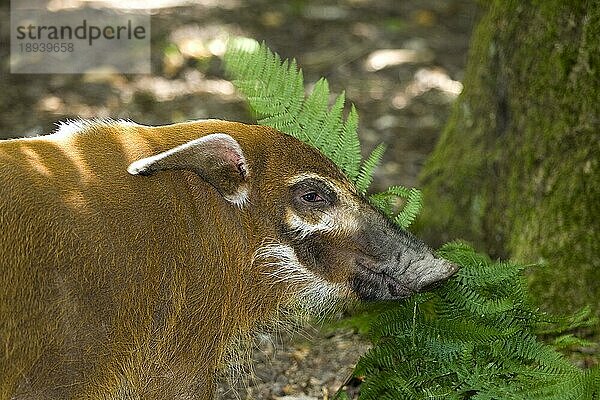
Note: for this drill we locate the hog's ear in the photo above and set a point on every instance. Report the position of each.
(217, 158)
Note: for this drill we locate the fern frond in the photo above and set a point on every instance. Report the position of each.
(365, 175)
(347, 150)
(411, 209)
(275, 92)
(385, 202)
(333, 123)
(314, 112)
(473, 338)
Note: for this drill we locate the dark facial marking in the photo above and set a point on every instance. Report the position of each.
(312, 252)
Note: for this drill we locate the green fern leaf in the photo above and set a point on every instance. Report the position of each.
(385, 202)
(333, 124)
(314, 111)
(471, 339)
(347, 150)
(275, 92)
(365, 175)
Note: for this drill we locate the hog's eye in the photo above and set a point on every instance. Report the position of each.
(311, 194)
(312, 197)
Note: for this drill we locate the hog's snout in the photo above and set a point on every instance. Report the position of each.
(397, 266)
(424, 271)
(407, 274)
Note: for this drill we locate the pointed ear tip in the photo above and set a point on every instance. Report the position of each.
(132, 169)
(137, 168)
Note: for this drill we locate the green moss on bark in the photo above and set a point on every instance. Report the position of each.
(516, 170)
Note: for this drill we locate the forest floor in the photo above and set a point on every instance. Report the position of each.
(400, 63)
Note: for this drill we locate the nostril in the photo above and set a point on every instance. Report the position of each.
(452, 269)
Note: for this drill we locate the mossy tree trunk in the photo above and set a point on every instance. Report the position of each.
(516, 171)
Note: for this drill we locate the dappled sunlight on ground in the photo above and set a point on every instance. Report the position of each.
(424, 80)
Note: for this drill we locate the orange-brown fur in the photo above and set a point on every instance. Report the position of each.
(118, 286)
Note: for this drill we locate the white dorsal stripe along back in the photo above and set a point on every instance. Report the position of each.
(75, 126)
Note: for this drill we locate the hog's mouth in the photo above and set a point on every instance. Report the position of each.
(379, 285)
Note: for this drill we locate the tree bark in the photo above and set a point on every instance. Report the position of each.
(516, 171)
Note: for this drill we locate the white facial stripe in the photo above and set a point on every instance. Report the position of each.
(310, 175)
(329, 221)
(301, 229)
(287, 267)
(340, 190)
(313, 295)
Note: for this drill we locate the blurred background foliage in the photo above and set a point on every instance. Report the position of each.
(517, 168)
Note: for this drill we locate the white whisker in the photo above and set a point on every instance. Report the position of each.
(311, 296)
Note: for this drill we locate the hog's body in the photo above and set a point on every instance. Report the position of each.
(117, 286)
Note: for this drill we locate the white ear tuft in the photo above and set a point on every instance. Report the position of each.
(139, 167)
